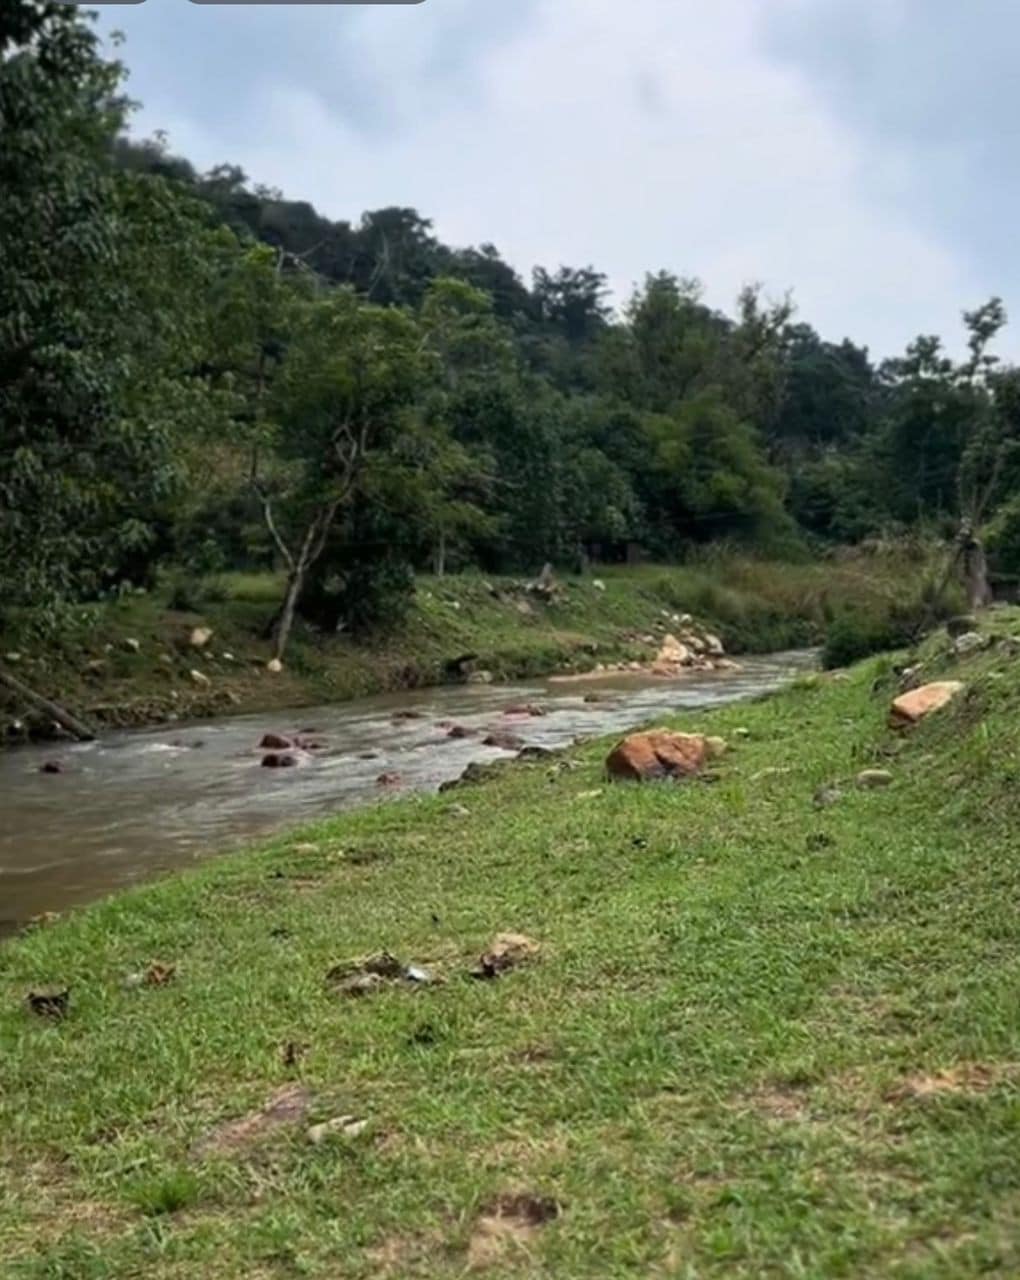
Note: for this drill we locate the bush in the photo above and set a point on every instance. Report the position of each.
(187, 592)
(1003, 539)
(854, 635)
(375, 595)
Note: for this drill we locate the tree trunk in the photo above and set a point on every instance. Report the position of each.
(975, 574)
(285, 619)
(77, 728)
(439, 557)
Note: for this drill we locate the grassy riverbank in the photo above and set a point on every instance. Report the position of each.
(760, 1038)
(130, 662)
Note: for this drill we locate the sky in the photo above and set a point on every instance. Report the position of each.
(859, 153)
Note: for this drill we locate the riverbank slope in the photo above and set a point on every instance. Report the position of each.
(131, 662)
(770, 1027)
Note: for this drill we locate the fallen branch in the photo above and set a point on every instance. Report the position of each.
(77, 728)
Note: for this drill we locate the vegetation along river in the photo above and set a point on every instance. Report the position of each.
(138, 804)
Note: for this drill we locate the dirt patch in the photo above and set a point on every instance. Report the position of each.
(510, 1224)
(402, 1256)
(51, 1203)
(287, 1107)
(507, 951)
(966, 1078)
(778, 1102)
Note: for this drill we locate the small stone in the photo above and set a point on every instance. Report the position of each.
(598, 585)
(200, 637)
(132, 645)
(969, 642)
(341, 1126)
(199, 678)
(227, 656)
(12, 657)
(275, 742)
(52, 766)
(274, 666)
(874, 779)
(459, 811)
(280, 760)
(481, 677)
(826, 797)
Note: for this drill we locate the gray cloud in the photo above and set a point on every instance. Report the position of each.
(802, 143)
(221, 61)
(933, 87)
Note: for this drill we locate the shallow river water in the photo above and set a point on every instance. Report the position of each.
(137, 804)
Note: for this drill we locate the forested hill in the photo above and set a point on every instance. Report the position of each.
(195, 371)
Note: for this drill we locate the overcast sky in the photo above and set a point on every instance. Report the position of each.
(859, 152)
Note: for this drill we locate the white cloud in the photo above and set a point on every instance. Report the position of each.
(635, 136)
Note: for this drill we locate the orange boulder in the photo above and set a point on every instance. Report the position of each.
(913, 707)
(658, 754)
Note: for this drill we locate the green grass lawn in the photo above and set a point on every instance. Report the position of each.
(760, 1039)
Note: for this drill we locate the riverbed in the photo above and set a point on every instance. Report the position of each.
(139, 804)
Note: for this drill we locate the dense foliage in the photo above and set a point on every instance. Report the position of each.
(195, 371)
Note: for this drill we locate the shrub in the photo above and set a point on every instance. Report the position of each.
(857, 634)
(187, 592)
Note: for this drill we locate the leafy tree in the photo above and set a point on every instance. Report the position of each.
(98, 341)
(352, 372)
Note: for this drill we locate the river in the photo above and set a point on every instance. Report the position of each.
(139, 804)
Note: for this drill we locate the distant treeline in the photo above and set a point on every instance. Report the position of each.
(195, 371)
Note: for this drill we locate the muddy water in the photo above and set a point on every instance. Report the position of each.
(141, 803)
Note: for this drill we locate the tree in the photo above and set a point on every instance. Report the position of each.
(99, 328)
(352, 373)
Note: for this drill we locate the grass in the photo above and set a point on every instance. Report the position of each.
(130, 662)
(761, 1038)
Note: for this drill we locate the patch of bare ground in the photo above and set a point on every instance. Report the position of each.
(508, 1226)
(778, 1101)
(400, 1256)
(52, 1205)
(285, 1109)
(964, 1079)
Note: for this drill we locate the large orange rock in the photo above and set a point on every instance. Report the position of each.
(914, 706)
(657, 754)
